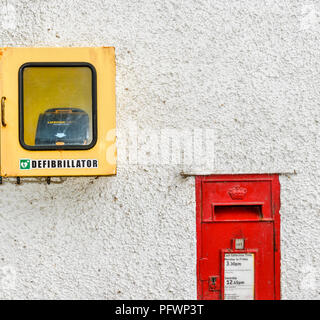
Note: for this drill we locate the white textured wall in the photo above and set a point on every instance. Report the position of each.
(247, 69)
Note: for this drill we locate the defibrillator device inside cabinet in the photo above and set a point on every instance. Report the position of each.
(62, 126)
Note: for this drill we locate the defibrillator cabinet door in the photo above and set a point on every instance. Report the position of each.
(57, 111)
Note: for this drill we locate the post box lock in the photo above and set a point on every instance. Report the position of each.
(214, 283)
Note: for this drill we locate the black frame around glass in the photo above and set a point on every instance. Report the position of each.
(94, 105)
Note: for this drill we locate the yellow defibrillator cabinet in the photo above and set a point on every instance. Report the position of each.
(57, 111)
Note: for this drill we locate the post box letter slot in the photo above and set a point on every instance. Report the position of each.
(237, 212)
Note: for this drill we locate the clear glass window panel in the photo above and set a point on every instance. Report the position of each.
(57, 106)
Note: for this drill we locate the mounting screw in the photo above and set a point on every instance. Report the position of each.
(18, 180)
(48, 180)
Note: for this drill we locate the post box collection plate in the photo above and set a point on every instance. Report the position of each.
(238, 276)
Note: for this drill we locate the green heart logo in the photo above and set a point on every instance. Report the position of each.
(24, 164)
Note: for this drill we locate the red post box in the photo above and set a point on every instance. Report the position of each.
(238, 237)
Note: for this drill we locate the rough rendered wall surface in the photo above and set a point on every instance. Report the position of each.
(247, 69)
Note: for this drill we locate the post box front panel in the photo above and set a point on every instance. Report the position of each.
(59, 115)
(238, 237)
(217, 241)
